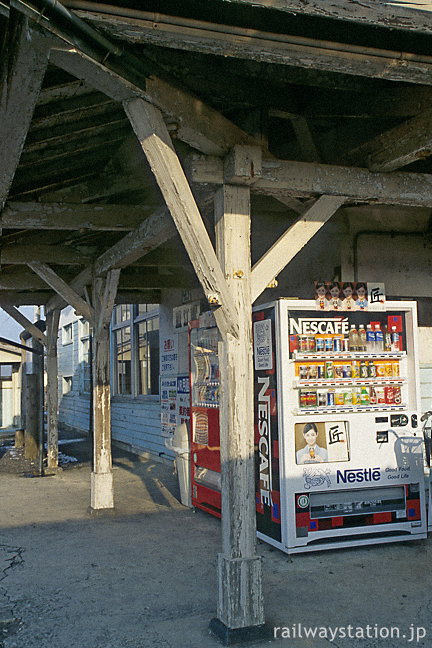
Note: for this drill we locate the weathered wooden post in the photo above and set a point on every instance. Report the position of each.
(240, 603)
(52, 323)
(102, 487)
(32, 431)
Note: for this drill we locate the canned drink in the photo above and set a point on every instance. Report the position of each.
(328, 344)
(331, 397)
(329, 369)
(380, 395)
(337, 344)
(389, 395)
(380, 369)
(301, 343)
(397, 394)
(338, 371)
(348, 397)
(355, 369)
(344, 344)
(303, 398)
(319, 345)
(310, 343)
(346, 371)
(388, 366)
(321, 398)
(339, 398)
(312, 372)
(321, 370)
(303, 372)
(311, 398)
(395, 369)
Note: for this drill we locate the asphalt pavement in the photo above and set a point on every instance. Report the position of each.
(145, 577)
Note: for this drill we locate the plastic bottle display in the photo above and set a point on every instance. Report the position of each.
(370, 339)
(379, 339)
(386, 339)
(353, 341)
(362, 338)
(394, 339)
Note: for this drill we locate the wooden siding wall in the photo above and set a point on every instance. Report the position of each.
(135, 423)
(426, 387)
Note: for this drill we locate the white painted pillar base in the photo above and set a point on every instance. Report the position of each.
(240, 601)
(102, 491)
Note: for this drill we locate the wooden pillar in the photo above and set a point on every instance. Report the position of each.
(32, 429)
(240, 603)
(52, 323)
(102, 488)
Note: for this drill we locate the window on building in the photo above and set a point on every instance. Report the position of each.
(136, 349)
(66, 384)
(85, 356)
(67, 334)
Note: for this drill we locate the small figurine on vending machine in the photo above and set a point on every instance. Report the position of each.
(311, 453)
(320, 295)
(349, 302)
(361, 302)
(335, 302)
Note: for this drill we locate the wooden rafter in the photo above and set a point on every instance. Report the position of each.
(398, 146)
(64, 216)
(197, 124)
(63, 289)
(266, 47)
(28, 65)
(25, 323)
(156, 143)
(291, 242)
(290, 178)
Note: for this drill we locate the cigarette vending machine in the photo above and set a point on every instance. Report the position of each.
(204, 442)
(338, 439)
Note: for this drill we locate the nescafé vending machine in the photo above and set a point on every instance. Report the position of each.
(338, 443)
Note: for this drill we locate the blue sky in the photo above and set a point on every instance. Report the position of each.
(9, 328)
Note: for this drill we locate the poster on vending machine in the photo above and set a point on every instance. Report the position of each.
(321, 442)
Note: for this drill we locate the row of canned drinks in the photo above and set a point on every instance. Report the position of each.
(353, 369)
(350, 396)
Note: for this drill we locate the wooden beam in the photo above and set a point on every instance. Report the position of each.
(266, 47)
(28, 65)
(291, 242)
(152, 232)
(290, 178)
(156, 143)
(388, 14)
(197, 124)
(18, 254)
(63, 289)
(25, 323)
(398, 146)
(24, 298)
(77, 284)
(61, 216)
(108, 300)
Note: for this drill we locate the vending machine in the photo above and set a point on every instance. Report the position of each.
(339, 447)
(204, 390)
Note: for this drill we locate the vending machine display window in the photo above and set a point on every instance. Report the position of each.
(205, 446)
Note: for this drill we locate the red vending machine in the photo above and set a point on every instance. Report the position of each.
(204, 390)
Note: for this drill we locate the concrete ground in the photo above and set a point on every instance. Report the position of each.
(146, 576)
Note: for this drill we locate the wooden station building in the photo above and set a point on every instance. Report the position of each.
(212, 146)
